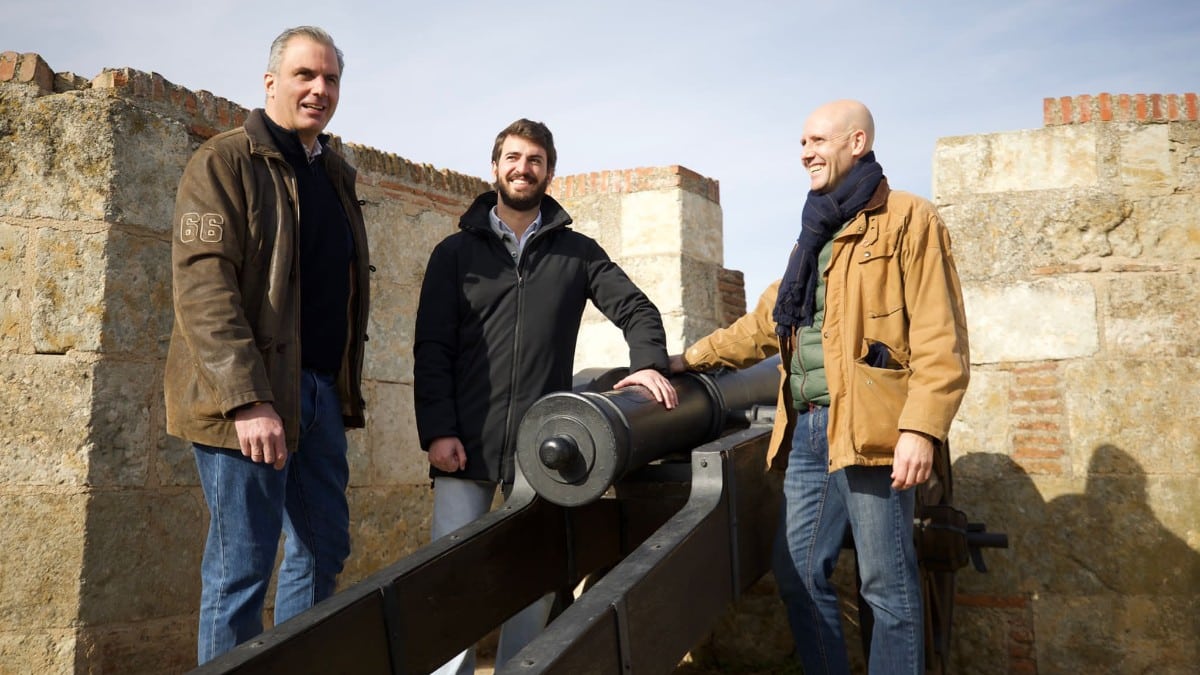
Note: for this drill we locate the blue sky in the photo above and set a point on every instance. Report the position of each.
(721, 88)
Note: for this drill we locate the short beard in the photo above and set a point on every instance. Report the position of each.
(518, 203)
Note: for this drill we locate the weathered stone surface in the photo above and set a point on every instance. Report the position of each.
(67, 306)
(982, 421)
(63, 138)
(174, 463)
(143, 554)
(599, 217)
(396, 455)
(1102, 413)
(39, 587)
(389, 352)
(45, 422)
(1123, 635)
(981, 636)
(13, 325)
(158, 646)
(1146, 164)
(1152, 316)
(119, 441)
(1163, 229)
(37, 651)
(650, 224)
(386, 524)
(1015, 161)
(702, 229)
(148, 161)
(1051, 319)
(137, 315)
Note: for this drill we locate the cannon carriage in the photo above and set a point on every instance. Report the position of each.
(647, 524)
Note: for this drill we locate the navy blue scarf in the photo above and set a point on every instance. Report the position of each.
(824, 214)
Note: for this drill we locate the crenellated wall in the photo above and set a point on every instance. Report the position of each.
(1079, 249)
(101, 517)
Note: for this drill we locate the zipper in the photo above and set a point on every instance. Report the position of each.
(507, 452)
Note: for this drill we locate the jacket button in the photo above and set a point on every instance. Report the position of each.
(866, 254)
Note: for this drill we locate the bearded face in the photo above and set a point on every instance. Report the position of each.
(521, 174)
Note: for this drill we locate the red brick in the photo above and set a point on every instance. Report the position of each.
(1124, 108)
(1051, 112)
(1191, 104)
(8, 65)
(1084, 104)
(1140, 107)
(1106, 113)
(1156, 107)
(1065, 103)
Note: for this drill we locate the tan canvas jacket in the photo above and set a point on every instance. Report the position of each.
(235, 273)
(891, 279)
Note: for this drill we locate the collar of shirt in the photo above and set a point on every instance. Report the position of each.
(505, 232)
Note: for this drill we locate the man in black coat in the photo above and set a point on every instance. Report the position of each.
(496, 329)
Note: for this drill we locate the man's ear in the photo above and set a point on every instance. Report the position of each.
(269, 83)
(495, 172)
(858, 143)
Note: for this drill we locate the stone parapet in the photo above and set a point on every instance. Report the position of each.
(1143, 108)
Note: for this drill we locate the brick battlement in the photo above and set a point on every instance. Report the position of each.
(1144, 108)
(635, 180)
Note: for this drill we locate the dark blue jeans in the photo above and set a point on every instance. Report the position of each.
(818, 507)
(249, 506)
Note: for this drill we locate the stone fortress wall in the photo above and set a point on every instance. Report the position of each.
(1077, 243)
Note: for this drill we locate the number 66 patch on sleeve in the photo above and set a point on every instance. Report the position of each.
(208, 227)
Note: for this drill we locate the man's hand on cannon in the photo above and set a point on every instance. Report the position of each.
(659, 386)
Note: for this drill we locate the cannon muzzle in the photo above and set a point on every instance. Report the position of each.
(572, 446)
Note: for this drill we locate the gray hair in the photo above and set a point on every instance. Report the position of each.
(311, 32)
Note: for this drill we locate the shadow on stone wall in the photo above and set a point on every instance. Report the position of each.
(1093, 579)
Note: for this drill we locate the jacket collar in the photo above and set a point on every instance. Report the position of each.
(261, 140)
(879, 198)
(475, 219)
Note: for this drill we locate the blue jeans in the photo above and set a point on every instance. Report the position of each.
(250, 504)
(818, 508)
(457, 502)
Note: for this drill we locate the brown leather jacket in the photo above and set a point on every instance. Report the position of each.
(235, 271)
(891, 279)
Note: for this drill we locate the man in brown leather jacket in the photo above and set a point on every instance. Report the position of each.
(263, 376)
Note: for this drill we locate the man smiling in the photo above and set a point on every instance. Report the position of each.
(263, 373)
(498, 319)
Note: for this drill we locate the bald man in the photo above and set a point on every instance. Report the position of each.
(868, 319)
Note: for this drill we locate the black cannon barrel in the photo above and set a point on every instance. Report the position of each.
(572, 446)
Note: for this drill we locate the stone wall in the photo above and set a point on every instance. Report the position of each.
(102, 518)
(1079, 249)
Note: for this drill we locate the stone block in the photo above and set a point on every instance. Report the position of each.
(148, 161)
(45, 422)
(389, 352)
(599, 217)
(700, 297)
(1145, 162)
(67, 306)
(395, 449)
(1164, 229)
(401, 235)
(982, 423)
(386, 524)
(979, 641)
(119, 445)
(1038, 159)
(1104, 410)
(1018, 235)
(1152, 316)
(601, 345)
(1051, 319)
(40, 585)
(143, 555)
(137, 303)
(13, 314)
(174, 464)
(35, 650)
(1185, 140)
(159, 646)
(1117, 636)
(702, 229)
(61, 145)
(661, 278)
(358, 453)
(651, 223)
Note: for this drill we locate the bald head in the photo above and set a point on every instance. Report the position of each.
(848, 115)
(836, 136)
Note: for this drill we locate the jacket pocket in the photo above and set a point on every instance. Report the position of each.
(877, 396)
